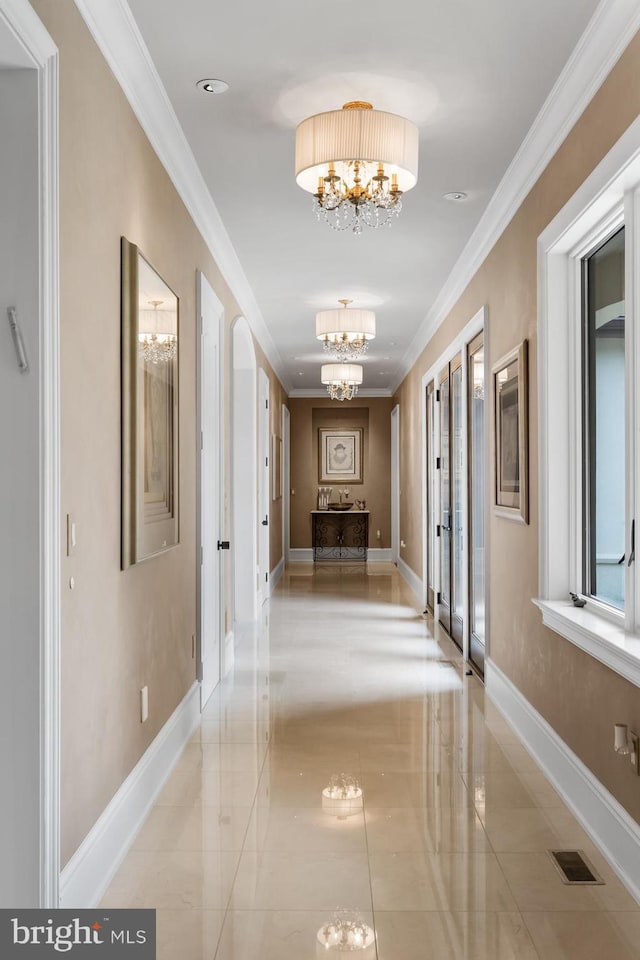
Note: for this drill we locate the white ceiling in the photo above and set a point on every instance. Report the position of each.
(472, 75)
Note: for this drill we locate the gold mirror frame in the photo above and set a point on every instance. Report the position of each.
(149, 403)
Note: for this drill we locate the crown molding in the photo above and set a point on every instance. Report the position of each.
(363, 393)
(609, 32)
(25, 25)
(116, 33)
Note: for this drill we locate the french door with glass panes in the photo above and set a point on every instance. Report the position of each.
(476, 503)
(431, 490)
(452, 483)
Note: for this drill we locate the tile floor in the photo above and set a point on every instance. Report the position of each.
(448, 859)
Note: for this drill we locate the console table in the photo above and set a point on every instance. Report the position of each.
(340, 534)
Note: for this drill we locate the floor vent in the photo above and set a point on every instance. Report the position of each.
(574, 867)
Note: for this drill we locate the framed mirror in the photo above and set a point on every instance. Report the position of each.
(149, 384)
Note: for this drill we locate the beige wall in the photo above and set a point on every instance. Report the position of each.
(579, 697)
(374, 416)
(120, 631)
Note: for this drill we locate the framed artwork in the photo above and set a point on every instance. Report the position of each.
(340, 455)
(276, 467)
(511, 398)
(149, 386)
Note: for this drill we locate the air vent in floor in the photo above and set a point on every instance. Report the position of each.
(574, 867)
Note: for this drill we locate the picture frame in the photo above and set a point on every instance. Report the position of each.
(276, 467)
(511, 416)
(149, 410)
(340, 455)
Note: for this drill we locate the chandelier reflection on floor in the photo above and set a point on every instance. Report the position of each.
(342, 797)
(346, 932)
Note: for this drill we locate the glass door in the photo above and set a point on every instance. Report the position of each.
(451, 499)
(431, 552)
(476, 459)
(444, 597)
(456, 445)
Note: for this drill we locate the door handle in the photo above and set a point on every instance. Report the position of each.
(223, 544)
(265, 522)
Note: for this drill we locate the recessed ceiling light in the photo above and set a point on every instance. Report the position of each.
(456, 195)
(209, 85)
(300, 373)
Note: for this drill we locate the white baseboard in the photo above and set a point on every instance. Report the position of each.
(90, 870)
(275, 575)
(301, 555)
(609, 825)
(379, 554)
(412, 579)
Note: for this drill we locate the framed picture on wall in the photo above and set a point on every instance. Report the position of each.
(149, 404)
(340, 455)
(511, 398)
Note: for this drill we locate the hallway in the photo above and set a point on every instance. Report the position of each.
(448, 859)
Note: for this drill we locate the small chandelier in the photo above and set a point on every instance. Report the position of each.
(157, 338)
(341, 379)
(357, 162)
(345, 333)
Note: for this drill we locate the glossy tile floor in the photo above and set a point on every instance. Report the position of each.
(448, 859)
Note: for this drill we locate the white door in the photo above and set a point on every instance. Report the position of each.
(210, 525)
(395, 484)
(286, 480)
(263, 475)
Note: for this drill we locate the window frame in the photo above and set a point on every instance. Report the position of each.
(608, 199)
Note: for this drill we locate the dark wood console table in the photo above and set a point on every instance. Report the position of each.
(340, 534)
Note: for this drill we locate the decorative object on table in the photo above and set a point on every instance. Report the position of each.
(510, 385)
(357, 162)
(340, 505)
(324, 496)
(341, 379)
(345, 333)
(340, 455)
(149, 399)
(578, 601)
(360, 504)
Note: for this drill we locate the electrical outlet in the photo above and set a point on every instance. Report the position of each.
(144, 704)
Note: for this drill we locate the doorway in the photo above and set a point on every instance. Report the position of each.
(395, 484)
(476, 418)
(30, 479)
(210, 591)
(430, 492)
(244, 473)
(286, 481)
(264, 486)
(452, 493)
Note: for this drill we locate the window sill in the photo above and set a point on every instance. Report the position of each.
(606, 641)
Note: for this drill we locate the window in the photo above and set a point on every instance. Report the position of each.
(588, 412)
(603, 422)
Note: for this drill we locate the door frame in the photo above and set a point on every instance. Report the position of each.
(264, 487)
(395, 484)
(458, 345)
(22, 21)
(286, 481)
(244, 473)
(204, 289)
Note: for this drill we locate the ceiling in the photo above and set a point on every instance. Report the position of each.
(472, 76)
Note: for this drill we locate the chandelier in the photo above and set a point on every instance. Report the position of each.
(345, 333)
(341, 379)
(157, 337)
(357, 162)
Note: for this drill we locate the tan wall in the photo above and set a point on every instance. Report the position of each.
(374, 415)
(579, 697)
(120, 631)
